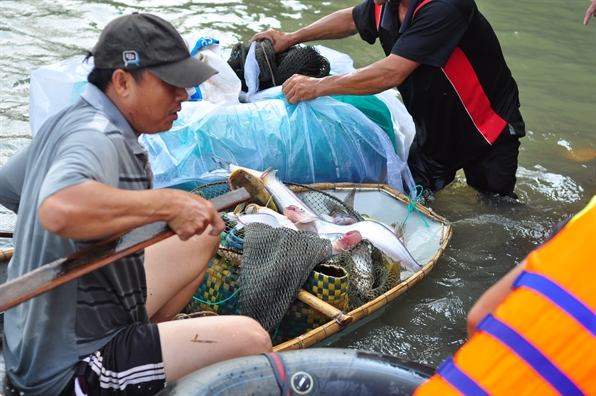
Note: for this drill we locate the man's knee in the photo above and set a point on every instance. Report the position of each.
(212, 244)
(255, 338)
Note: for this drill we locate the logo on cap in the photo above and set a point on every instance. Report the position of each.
(131, 57)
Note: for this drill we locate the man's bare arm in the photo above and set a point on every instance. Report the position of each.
(338, 25)
(92, 210)
(386, 73)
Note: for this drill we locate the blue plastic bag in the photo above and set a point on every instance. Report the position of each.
(322, 140)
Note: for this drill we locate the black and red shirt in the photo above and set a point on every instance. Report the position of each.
(462, 96)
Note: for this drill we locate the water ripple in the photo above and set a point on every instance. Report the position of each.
(553, 186)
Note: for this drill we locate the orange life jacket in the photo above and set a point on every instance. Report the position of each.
(541, 340)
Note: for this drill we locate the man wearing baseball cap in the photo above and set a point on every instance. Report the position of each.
(85, 177)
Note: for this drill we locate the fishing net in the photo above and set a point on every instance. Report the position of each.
(259, 270)
(277, 68)
(275, 264)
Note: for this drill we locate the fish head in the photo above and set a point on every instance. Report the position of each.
(352, 237)
(347, 241)
(294, 213)
(298, 215)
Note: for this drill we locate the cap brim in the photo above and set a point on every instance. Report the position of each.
(184, 74)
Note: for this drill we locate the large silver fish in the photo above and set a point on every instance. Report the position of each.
(376, 233)
(259, 214)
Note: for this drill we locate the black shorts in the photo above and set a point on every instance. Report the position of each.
(491, 170)
(131, 363)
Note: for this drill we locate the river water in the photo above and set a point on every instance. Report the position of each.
(551, 54)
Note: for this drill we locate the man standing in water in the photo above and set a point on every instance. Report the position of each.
(446, 61)
(85, 177)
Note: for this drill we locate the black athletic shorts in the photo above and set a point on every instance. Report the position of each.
(131, 363)
(491, 170)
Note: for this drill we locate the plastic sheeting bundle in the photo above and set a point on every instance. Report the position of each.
(323, 140)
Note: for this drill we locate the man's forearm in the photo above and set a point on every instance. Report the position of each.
(338, 25)
(384, 74)
(92, 210)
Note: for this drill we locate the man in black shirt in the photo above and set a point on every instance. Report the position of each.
(447, 63)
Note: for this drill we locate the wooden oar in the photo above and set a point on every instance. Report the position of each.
(6, 254)
(63, 270)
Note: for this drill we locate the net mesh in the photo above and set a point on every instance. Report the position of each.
(276, 262)
(277, 68)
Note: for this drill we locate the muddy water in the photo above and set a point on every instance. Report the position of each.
(552, 56)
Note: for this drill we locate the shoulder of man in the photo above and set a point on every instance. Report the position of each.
(463, 6)
(79, 117)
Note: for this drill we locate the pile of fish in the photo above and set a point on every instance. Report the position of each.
(343, 232)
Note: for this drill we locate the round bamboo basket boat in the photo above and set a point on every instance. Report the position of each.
(334, 326)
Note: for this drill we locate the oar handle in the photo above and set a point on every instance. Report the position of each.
(63, 270)
(6, 254)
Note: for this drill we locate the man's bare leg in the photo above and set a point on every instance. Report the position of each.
(174, 269)
(190, 344)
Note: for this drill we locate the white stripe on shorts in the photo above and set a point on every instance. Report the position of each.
(119, 380)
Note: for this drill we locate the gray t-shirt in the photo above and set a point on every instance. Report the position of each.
(45, 337)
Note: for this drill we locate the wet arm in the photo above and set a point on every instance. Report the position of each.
(491, 298)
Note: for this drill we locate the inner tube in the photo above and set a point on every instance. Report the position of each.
(317, 371)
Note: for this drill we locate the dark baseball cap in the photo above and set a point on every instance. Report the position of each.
(139, 41)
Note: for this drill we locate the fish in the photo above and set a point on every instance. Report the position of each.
(343, 242)
(259, 214)
(381, 236)
(341, 218)
(301, 219)
(240, 177)
(338, 213)
(264, 218)
(363, 276)
(258, 211)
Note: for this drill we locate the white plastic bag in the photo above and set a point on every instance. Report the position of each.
(251, 73)
(225, 86)
(55, 87)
